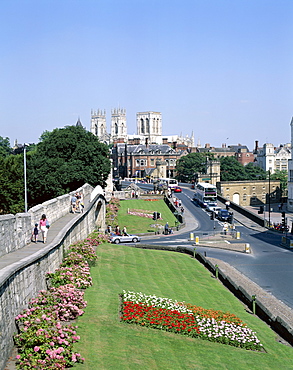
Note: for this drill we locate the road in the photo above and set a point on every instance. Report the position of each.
(269, 265)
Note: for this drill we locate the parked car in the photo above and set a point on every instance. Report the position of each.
(224, 215)
(129, 238)
(177, 189)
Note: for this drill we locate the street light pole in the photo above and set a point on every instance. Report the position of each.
(269, 199)
(25, 187)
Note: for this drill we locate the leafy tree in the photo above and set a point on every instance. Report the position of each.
(190, 164)
(64, 160)
(5, 149)
(283, 177)
(232, 170)
(11, 184)
(254, 172)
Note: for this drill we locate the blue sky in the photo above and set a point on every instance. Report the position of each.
(219, 68)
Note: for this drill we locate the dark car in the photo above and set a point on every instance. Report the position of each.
(224, 215)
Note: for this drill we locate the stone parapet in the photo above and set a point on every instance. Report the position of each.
(16, 230)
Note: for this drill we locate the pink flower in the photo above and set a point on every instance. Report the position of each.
(36, 348)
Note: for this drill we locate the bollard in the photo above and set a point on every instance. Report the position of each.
(253, 303)
(191, 236)
(196, 240)
(247, 248)
(238, 235)
(217, 271)
(194, 252)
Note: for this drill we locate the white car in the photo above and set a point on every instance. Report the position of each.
(213, 208)
(129, 238)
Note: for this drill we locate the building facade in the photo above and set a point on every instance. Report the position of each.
(140, 160)
(251, 193)
(290, 175)
(271, 158)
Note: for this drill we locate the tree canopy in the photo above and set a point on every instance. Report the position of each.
(63, 161)
(5, 149)
(232, 170)
(190, 164)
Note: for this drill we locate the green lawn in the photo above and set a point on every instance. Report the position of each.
(136, 224)
(107, 343)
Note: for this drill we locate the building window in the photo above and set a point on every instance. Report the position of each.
(227, 189)
(244, 197)
(291, 175)
(244, 187)
(152, 162)
(253, 188)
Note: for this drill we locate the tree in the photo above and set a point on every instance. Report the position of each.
(254, 172)
(11, 184)
(232, 170)
(190, 164)
(5, 149)
(64, 160)
(283, 177)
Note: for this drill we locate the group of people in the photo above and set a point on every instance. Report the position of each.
(76, 203)
(42, 227)
(116, 231)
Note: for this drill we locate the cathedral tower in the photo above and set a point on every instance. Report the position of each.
(118, 124)
(98, 125)
(149, 125)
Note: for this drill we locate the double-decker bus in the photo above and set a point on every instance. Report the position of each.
(171, 183)
(205, 194)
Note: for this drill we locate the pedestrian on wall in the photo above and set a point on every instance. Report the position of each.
(44, 227)
(73, 203)
(35, 233)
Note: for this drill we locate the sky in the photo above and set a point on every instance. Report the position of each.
(220, 69)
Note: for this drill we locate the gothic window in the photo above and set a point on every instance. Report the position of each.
(142, 126)
(116, 129)
(147, 126)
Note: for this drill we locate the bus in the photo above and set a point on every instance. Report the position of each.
(171, 183)
(205, 194)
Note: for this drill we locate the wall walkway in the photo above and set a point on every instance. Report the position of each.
(23, 270)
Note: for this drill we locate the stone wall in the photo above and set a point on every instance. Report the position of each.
(15, 230)
(22, 280)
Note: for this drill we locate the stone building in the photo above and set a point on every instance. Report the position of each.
(148, 125)
(271, 158)
(251, 193)
(140, 160)
(290, 175)
(240, 152)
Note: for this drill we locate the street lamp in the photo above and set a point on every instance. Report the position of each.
(269, 199)
(24, 166)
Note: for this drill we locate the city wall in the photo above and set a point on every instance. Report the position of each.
(16, 230)
(22, 280)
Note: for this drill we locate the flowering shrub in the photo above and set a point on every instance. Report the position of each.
(79, 275)
(66, 301)
(86, 249)
(166, 314)
(112, 210)
(43, 343)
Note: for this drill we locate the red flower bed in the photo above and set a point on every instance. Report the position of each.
(160, 318)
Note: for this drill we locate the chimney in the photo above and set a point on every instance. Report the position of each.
(175, 145)
(256, 146)
(208, 145)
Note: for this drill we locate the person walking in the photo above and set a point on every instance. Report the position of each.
(73, 203)
(44, 227)
(35, 233)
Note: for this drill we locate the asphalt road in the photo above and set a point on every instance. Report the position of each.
(269, 265)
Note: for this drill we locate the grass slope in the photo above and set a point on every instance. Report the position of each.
(107, 343)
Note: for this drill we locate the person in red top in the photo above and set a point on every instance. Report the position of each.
(44, 227)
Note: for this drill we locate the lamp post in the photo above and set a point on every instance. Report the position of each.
(25, 187)
(269, 199)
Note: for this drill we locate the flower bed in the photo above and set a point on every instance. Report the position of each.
(186, 319)
(141, 213)
(44, 340)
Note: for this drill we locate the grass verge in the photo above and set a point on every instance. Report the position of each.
(107, 343)
(135, 224)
